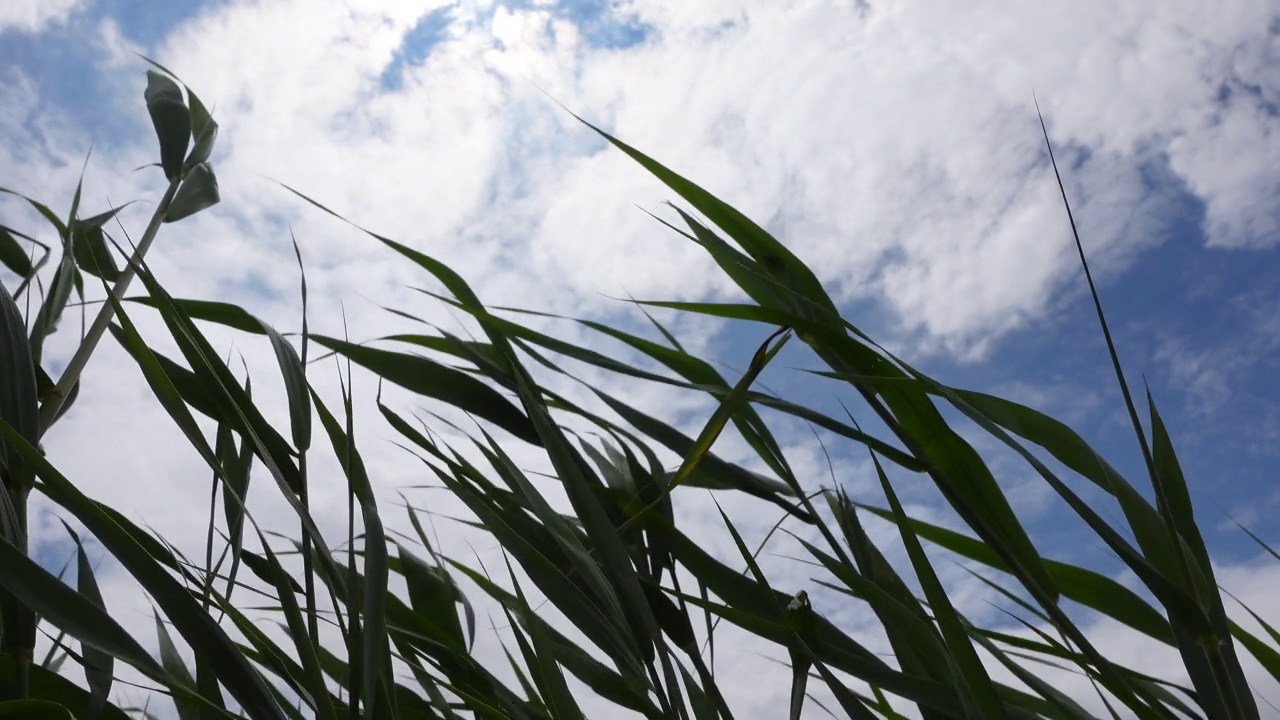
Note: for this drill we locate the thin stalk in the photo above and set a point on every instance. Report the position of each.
(308, 570)
(70, 376)
(19, 628)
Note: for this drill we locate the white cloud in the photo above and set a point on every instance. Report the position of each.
(1232, 168)
(32, 16)
(895, 152)
(899, 153)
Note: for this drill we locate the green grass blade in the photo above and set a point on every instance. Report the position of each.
(711, 471)
(431, 379)
(20, 410)
(98, 665)
(233, 404)
(603, 680)
(1266, 655)
(49, 215)
(55, 302)
(176, 667)
(716, 424)
(550, 678)
(34, 710)
(196, 626)
(1061, 705)
(756, 609)
(433, 597)
(977, 693)
(1089, 588)
(312, 677)
(287, 358)
(773, 256)
(729, 406)
(64, 607)
(47, 684)
(699, 375)
(1212, 662)
(376, 659)
(12, 255)
(1174, 503)
(235, 407)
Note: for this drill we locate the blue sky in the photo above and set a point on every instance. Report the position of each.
(894, 147)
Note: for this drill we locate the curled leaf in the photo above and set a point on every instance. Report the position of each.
(204, 131)
(199, 191)
(171, 119)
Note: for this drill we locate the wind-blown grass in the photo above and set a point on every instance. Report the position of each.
(644, 597)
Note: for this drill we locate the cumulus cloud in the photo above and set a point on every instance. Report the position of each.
(894, 147)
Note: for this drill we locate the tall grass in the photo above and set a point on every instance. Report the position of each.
(644, 599)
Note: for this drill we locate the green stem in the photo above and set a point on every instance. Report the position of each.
(70, 376)
(19, 621)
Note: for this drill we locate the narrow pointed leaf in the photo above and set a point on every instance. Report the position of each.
(98, 665)
(177, 667)
(431, 379)
(196, 626)
(64, 607)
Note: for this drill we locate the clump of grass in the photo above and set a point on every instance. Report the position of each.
(615, 567)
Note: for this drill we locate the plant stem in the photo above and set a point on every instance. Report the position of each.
(70, 376)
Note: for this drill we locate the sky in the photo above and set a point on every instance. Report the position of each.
(895, 147)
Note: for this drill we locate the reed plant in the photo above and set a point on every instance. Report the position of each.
(637, 601)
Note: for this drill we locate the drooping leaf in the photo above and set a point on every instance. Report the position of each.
(433, 596)
(55, 302)
(1089, 588)
(92, 254)
(13, 256)
(199, 191)
(171, 120)
(431, 379)
(204, 131)
(89, 244)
